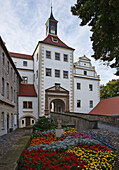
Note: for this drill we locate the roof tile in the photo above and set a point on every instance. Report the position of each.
(27, 90)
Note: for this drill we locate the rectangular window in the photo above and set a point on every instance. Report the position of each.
(8, 67)
(30, 105)
(78, 103)
(27, 105)
(14, 96)
(57, 73)
(2, 86)
(3, 59)
(65, 57)
(48, 72)
(48, 54)
(65, 74)
(24, 105)
(11, 93)
(7, 90)
(25, 80)
(78, 86)
(36, 74)
(25, 63)
(2, 120)
(11, 72)
(91, 103)
(90, 87)
(57, 56)
(85, 72)
(11, 119)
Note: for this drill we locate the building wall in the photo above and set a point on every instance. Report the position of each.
(8, 101)
(46, 82)
(24, 71)
(33, 113)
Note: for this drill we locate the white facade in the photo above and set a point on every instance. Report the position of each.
(31, 113)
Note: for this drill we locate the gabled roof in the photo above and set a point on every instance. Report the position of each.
(108, 107)
(59, 43)
(27, 90)
(24, 56)
(84, 58)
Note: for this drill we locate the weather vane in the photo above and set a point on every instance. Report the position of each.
(51, 4)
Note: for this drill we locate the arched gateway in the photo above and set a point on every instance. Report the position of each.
(56, 99)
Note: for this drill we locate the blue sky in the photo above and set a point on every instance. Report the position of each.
(22, 25)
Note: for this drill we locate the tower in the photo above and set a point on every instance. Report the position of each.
(51, 25)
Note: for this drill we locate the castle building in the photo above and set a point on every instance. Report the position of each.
(52, 82)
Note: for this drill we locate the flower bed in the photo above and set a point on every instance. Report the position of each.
(71, 151)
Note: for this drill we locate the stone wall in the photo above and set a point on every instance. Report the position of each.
(102, 118)
(74, 119)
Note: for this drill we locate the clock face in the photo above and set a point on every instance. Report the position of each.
(53, 29)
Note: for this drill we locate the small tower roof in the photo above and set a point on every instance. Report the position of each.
(51, 15)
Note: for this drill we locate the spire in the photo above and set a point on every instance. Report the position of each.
(51, 15)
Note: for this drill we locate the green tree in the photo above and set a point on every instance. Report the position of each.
(103, 17)
(111, 89)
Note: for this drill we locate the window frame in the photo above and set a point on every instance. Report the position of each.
(78, 103)
(48, 69)
(7, 90)
(78, 86)
(58, 73)
(2, 120)
(27, 105)
(3, 87)
(90, 87)
(57, 58)
(25, 65)
(91, 103)
(65, 56)
(48, 56)
(64, 76)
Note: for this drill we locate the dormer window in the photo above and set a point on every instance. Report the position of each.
(54, 40)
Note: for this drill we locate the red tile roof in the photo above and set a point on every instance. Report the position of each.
(48, 40)
(27, 90)
(108, 107)
(18, 55)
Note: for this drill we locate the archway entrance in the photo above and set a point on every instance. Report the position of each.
(57, 105)
(56, 99)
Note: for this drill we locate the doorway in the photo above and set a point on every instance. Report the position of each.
(27, 121)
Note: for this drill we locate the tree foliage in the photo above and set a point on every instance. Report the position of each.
(111, 89)
(103, 17)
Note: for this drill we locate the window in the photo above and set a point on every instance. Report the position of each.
(90, 87)
(48, 72)
(65, 74)
(2, 120)
(11, 119)
(8, 67)
(91, 103)
(65, 57)
(2, 86)
(33, 121)
(78, 86)
(25, 63)
(57, 73)
(53, 29)
(27, 105)
(11, 72)
(14, 96)
(3, 58)
(48, 54)
(11, 93)
(14, 76)
(22, 122)
(36, 74)
(7, 90)
(25, 80)
(57, 56)
(85, 72)
(55, 40)
(78, 103)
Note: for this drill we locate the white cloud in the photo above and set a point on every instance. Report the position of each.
(22, 25)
